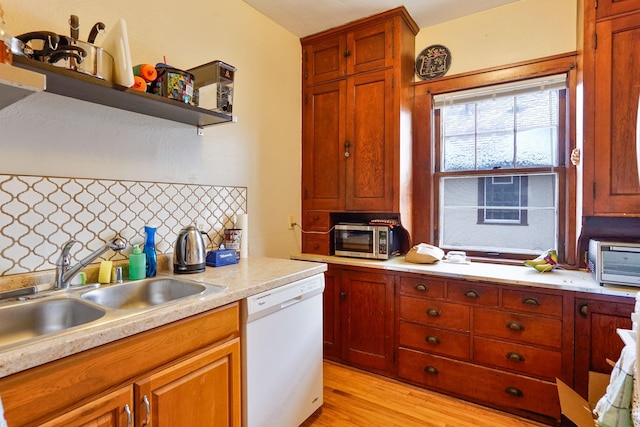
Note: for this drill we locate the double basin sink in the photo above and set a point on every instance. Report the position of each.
(59, 311)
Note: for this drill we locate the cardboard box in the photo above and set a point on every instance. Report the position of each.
(574, 407)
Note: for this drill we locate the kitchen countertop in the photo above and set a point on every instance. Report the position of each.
(568, 280)
(249, 277)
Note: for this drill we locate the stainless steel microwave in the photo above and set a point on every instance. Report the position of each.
(366, 241)
(614, 263)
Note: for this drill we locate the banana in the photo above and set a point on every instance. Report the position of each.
(542, 268)
(548, 257)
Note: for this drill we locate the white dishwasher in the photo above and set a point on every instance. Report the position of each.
(282, 354)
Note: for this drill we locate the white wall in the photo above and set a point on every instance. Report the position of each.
(51, 135)
(520, 31)
(47, 134)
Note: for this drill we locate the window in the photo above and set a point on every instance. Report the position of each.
(498, 177)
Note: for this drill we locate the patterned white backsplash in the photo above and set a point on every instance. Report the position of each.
(39, 214)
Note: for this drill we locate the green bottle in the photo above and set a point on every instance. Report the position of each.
(137, 264)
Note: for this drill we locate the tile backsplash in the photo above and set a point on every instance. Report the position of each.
(39, 214)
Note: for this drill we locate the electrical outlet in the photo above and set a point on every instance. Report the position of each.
(291, 222)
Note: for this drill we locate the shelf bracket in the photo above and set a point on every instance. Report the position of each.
(200, 130)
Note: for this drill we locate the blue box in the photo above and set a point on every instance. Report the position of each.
(221, 257)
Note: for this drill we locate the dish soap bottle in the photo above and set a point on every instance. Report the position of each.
(150, 250)
(137, 264)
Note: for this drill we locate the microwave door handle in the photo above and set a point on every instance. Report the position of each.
(624, 249)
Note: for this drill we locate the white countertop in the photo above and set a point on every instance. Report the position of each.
(569, 280)
(249, 277)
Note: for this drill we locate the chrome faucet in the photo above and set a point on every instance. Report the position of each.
(64, 272)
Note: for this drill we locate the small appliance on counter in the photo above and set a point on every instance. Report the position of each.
(213, 89)
(189, 255)
(378, 239)
(614, 263)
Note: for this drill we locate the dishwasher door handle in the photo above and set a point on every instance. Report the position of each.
(291, 301)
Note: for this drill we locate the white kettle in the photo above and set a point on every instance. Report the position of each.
(189, 255)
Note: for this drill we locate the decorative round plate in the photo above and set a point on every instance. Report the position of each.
(433, 62)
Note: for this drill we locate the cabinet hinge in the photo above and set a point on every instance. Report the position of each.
(306, 73)
(306, 98)
(393, 82)
(393, 40)
(595, 40)
(594, 190)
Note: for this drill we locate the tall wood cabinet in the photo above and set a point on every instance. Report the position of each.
(357, 108)
(611, 58)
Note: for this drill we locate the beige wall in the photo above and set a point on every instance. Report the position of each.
(51, 135)
(516, 32)
(47, 134)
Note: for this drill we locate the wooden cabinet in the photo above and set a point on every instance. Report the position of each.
(606, 8)
(612, 90)
(511, 343)
(114, 409)
(363, 304)
(189, 371)
(319, 239)
(193, 392)
(357, 104)
(366, 319)
(597, 319)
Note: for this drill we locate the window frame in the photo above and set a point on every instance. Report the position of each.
(427, 153)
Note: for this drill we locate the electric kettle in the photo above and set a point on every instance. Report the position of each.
(189, 255)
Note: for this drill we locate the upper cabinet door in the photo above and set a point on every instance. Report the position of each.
(608, 8)
(617, 89)
(324, 59)
(370, 48)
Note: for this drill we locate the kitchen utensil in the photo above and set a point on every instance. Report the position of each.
(189, 252)
(117, 43)
(97, 28)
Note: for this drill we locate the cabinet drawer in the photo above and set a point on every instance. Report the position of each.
(532, 302)
(538, 362)
(482, 384)
(435, 313)
(316, 220)
(518, 327)
(316, 244)
(473, 293)
(433, 340)
(423, 287)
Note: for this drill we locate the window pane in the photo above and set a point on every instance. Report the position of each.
(460, 228)
(495, 151)
(459, 153)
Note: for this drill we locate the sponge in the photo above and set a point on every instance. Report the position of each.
(104, 274)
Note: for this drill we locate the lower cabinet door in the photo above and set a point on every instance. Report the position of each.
(114, 409)
(484, 385)
(202, 390)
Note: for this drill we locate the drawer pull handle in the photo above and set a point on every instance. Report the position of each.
(515, 357)
(316, 218)
(127, 410)
(347, 53)
(147, 408)
(431, 370)
(433, 312)
(530, 301)
(583, 309)
(421, 287)
(432, 339)
(515, 326)
(471, 294)
(513, 391)
(343, 295)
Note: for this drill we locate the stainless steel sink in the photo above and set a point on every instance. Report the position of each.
(144, 293)
(32, 319)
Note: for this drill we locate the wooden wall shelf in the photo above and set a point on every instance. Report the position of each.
(92, 89)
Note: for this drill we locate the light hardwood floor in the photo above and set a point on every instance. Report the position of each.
(354, 398)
